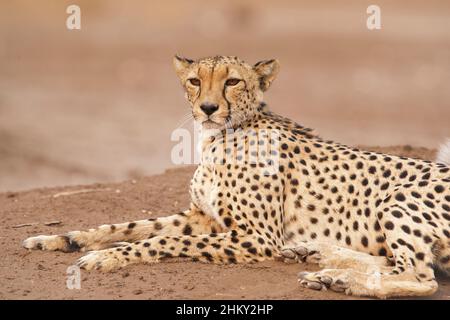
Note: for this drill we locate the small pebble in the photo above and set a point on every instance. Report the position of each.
(137, 292)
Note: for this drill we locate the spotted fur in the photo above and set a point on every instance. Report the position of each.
(378, 224)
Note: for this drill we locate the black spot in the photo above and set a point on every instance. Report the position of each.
(384, 186)
(71, 245)
(426, 216)
(429, 204)
(365, 241)
(207, 256)
(348, 241)
(397, 214)
(377, 226)
(406, 229)
(158, 226)
(229, 252)
(246, 244)
(187, 230)
(416, 195)
(412, 206)
(201, 245)
(416, 219)
(420, 256)
(389, 225)
(227, 221)
(417, 233)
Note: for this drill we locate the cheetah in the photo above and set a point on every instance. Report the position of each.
(376, 224)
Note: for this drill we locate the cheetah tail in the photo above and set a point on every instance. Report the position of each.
(443, 155)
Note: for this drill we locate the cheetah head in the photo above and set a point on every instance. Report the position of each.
(224, 91)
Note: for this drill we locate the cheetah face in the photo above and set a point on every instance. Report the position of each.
(224, 91)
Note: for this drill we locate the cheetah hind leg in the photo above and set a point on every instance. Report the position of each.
(107, 236)
(375, 284)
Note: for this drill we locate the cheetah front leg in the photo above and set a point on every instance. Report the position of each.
(188, 222)
(229, 247)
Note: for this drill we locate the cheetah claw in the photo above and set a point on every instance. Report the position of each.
(301, 254)
(320, 281)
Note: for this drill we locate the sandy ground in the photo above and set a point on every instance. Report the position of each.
(42, 275)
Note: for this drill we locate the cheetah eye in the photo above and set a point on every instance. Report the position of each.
(232, 82)
(195, 82)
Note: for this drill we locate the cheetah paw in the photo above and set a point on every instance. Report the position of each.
(52, 243)
(302, 253)
(323, 280)
(38, 242)
(103, 260)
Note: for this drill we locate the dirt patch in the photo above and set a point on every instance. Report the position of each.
(42, 275)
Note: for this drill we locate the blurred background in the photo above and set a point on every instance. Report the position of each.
(100, 103)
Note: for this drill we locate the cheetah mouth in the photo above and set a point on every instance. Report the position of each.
(210, 124)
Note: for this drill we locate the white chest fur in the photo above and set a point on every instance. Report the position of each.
(204, 192)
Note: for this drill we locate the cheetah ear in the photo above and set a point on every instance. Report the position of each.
(181, 64)
(267, 71)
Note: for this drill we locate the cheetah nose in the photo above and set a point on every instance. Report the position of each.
(209, 108)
